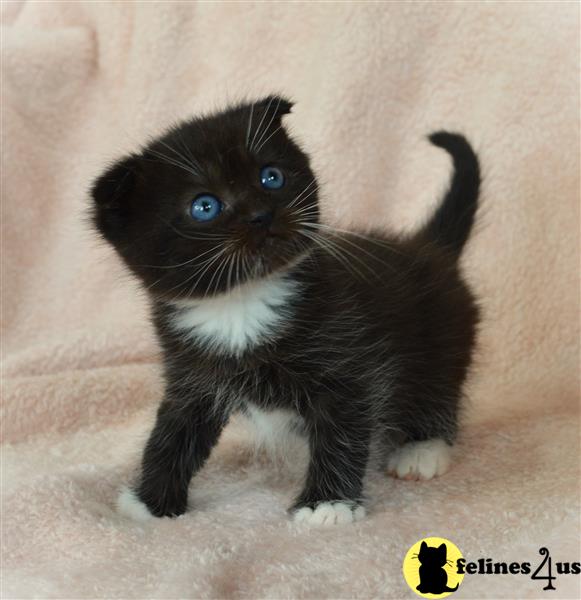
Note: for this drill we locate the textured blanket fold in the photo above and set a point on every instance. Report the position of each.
(85, 82)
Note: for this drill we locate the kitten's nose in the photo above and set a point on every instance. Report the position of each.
(261, 218)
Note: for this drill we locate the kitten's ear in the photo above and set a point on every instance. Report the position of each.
(111, 192)
(423, 546)
(442, 548)
(275, 106)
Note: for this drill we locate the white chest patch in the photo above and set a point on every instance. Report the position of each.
(247, 316)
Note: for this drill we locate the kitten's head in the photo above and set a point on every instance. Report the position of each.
(216, 202)
(430, 555)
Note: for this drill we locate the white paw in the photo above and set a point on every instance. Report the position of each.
(329, 513)
(420, 460)
(129, 505)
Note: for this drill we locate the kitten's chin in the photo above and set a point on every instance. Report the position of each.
(257, 269)
(274, 254)
(265, 266)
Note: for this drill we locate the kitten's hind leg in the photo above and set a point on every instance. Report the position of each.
(420, 459)
(430, 430)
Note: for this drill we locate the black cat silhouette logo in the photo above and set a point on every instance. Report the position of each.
(429, 568)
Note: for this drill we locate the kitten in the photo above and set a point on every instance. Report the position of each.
(433, 576)
(358, 342)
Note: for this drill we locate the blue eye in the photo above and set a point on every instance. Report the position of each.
(271, 178)
(205, 207)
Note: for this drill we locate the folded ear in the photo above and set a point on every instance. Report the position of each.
(274, 106)
(265, 119)
(111, 192)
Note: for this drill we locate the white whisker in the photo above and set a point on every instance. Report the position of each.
(269, 124)
(260, 124)
(266, 140)
(249, 129)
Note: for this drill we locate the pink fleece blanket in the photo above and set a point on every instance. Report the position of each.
(84, 82)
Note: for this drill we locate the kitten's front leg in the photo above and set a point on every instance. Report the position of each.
(181, 441)
(339, 436)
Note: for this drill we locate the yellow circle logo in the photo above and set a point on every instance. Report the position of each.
(430, 568)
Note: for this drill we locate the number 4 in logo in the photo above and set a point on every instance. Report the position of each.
(549, 577)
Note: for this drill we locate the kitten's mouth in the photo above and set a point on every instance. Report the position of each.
(273, 239)
(269, 240)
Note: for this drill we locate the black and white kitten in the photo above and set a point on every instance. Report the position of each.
(359, 342)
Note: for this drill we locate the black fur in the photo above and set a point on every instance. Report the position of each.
(452, 221)
(372, 352)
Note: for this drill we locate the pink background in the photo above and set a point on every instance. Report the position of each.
(85, 82)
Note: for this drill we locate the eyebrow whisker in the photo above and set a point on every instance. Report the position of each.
(265, 130)
(260, 124)
(249, 129)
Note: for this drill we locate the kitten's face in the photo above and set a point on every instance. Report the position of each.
(216, 202)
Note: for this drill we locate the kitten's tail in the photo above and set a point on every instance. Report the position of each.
(451, 223)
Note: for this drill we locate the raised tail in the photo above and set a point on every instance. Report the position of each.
(450, 225)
